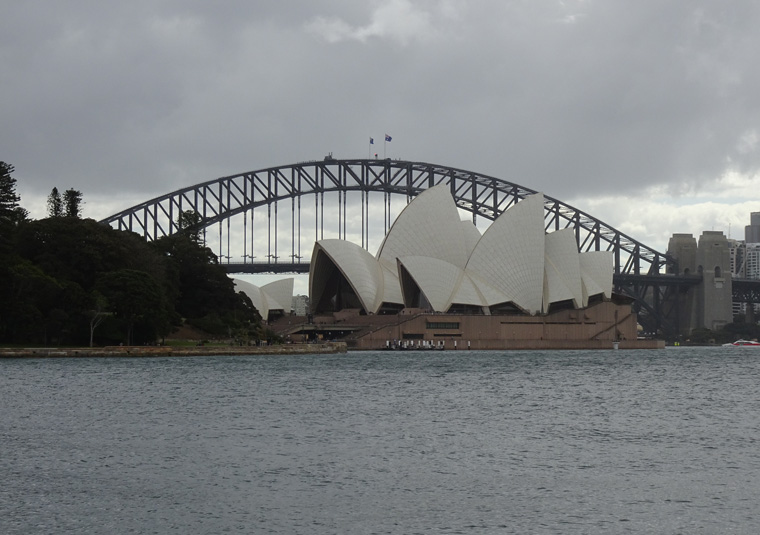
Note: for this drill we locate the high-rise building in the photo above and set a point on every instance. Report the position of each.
(737, 251)
(300, 305)
(752, 231)
(752, 261)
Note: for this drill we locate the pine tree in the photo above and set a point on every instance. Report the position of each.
(55, 204)
(8, 198)
(72, 203)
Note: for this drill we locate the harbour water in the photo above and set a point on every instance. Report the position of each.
(659, 441)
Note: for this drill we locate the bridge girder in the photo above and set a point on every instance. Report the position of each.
(746, 290)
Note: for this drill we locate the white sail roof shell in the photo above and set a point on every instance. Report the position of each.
(268, 297)
(437, 279)
(391, 286)
(279, 294)
(428, 226)
(562, 269)
(471, 236)
(472, 291)
(510, 255)
(359, 267)
(514, 261)
(596, 271)
(254, 294)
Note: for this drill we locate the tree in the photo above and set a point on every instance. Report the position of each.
(189, 222)
(205, 295)
(202, 285)
(11, 214)
(72, 203)
(55, 203)
(135, 297)
(8, 198)
(97, 314)
(77, 253)
(32, 298)
(80, 249)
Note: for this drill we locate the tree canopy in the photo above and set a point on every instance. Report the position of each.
(8, 198)
(67, 281)
(55, 203)
(72, 203)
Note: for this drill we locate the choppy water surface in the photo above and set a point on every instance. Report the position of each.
(457, 442)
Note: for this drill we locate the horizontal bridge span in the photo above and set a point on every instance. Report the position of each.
(220, 200)
(266, 267)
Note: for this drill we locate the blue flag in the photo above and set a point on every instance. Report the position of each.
(387, 137)
(371, 141)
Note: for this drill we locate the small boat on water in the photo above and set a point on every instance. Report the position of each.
(743, 343)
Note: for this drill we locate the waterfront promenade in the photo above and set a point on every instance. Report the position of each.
(173, 351)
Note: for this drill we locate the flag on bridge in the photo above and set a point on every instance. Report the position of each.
(387, 137)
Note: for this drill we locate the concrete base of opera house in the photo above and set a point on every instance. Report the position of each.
(601, 326)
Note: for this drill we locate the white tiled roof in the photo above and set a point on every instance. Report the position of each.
(562, 268)
(360, 269)
(428, 226)
(510, 254)
(596, 273)
(268, 297)
(450, 263)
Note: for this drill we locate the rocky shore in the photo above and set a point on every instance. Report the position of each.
(169, 351)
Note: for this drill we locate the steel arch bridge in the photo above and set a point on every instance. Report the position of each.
(337, 185)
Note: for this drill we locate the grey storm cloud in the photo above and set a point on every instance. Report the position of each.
(574, 98)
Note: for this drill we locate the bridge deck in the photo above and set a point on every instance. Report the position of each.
(266, 267)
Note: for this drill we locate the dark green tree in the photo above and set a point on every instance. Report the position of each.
(77, 253)
(11, 214)
(189, 224)
(97, 313)
(72, 281)
(31, 305)
(8, 198)
(206, 296)
(134, 297)
(79, 250)
(72, 203)
(55, 203)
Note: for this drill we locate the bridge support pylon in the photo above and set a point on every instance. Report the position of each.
(707, 305)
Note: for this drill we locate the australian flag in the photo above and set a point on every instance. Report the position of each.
(387, 137)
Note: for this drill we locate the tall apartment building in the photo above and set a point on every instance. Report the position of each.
(752, 261)
(736, 252)
(752, 231)
(300, 305)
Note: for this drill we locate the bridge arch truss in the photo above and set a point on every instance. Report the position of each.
(340, 189)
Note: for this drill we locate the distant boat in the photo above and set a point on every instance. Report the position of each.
(743, 343)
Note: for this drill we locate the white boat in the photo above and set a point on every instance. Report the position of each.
(743, 343)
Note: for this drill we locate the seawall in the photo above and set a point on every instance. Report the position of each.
(169, 351)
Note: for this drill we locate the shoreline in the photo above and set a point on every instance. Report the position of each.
(169, 351)
(325, 348)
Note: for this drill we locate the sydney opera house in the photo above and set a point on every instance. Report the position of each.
(273, 299)
(437, 282)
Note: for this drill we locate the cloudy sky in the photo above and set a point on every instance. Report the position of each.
(644, 113)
